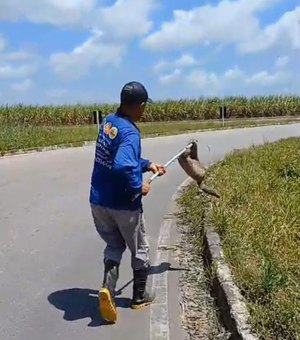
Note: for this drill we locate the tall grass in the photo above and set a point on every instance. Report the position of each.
(169, 110)
(258, 219)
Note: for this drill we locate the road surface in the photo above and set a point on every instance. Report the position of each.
(50, 255)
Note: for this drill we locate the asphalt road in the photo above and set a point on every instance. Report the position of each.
(50, 254)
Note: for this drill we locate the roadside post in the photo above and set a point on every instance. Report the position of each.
(97, 115)
(223, 115)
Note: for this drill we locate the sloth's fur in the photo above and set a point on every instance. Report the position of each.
(189, 161)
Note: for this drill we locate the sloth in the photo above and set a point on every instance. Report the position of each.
(189, 161)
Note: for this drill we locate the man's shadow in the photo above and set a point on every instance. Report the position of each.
(80, 303)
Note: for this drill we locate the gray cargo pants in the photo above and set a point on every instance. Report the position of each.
(121, 228)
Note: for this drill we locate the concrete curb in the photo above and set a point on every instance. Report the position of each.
(232, 307)
(233, 310)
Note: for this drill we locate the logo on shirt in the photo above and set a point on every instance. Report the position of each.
(110, 130)
(113, 132)
(107, 128)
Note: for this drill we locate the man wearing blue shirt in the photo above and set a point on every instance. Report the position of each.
(117, 180)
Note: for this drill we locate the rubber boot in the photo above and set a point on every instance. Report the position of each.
(141, 297)
(107, 304)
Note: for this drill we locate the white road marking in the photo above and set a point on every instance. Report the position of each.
(159, 315)
(159, 311)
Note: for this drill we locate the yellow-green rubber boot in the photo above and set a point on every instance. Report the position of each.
(106, 301)
(141, 297)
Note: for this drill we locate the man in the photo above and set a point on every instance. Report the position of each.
(117, 188)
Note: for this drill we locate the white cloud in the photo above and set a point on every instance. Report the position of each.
(111, 26)
(16, 70)
(92, 52)
(123, 19)
(54, 12)
(265, 78)
(202, 79)
(285, 32)
(23, 86)
(281, 61)
(235, 80)
(170, 77)
(7, 71)
(177, 67)
(24, 53)
(233, 74)
(19, 55)
(228, 22)
(160, 65)
(185, 60)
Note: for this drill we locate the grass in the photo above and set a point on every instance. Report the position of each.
(258, 219)
(20, 137)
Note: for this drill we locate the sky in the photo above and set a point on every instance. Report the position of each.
(84, 51)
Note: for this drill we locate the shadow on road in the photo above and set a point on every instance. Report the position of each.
(161, 268)
(81, 303)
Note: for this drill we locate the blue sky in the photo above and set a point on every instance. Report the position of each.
(70, 51)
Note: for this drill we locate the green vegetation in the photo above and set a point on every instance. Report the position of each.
(170, 110)
(258, 219)
(26, 137)
(23, 127)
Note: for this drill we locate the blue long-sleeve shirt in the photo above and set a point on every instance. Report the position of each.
(118, 166)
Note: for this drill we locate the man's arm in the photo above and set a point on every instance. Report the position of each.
(127, 161)
(145, 164)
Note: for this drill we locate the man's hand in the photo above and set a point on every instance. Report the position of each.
(145, 188)
(157, 168)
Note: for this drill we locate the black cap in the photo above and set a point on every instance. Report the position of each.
(134, 93)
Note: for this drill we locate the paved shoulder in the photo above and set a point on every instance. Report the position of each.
(50, 254)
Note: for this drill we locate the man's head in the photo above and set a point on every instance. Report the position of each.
(133, 99)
